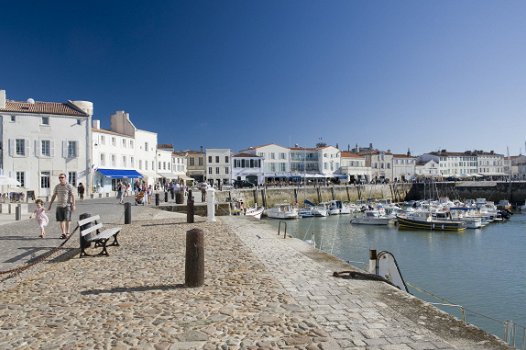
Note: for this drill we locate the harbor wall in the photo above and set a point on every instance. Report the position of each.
(351, 193)
(514, 191)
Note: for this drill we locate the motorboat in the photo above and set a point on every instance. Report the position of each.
(374, 217)
(282, 211)
(255, 212)
(427, 222)
(337, 207)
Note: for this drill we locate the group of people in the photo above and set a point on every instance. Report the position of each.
(63, 193)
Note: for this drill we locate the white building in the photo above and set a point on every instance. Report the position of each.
(40, 140)
(380, 163)
(276, 160)
(354, 166)
(113, 159)
(145, 145)
(180, 166)
(403, 167)
(490, 164)
(249, 167)
(427, 169)
(218, 166)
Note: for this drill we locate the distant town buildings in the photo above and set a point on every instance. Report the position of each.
(40, 140)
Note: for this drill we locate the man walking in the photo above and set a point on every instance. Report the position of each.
(63, 192)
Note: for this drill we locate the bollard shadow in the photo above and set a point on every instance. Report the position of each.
(132, 289)
(167, 223)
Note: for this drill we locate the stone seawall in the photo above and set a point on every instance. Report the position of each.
(271, 196)
(515, 192)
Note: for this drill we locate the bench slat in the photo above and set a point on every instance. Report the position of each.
(91, 229)
(90, 219)
(105, 234)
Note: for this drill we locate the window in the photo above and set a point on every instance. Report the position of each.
(226, 170)
(113, 162)
(282, 156)
(217, 159)
(217, 170)
(282, 166)
(201, 161)
(132, 162)
(140, 164)
(145, 165)
(72, 178)
(44, 179)
(124, 143)
(13, 118)
(45, 120)
(226, 159)
(272, 167)
(124, 161)
(102, 159)
(79, 122)
(146, 146)
(21, 177)
(102, 140)
(131, 143)
(164, 166)
(209, 159)
(153, 165)
(272, 156)
(210, 170)
(159, 165)
(45, 148)
(20, 147)
(192, 161)
(71, 150)
(113, 141)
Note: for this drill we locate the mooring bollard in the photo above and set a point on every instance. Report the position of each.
(127, 213)
(194, 275)
(190, 208)
(373, 261)
(165, 196)
(210, 206)
(157, 199)
(18, 213)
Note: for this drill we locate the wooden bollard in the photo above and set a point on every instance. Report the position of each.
(194, 271)
(127, 213)
(190, 208)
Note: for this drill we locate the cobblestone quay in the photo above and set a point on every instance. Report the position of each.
(261, 292)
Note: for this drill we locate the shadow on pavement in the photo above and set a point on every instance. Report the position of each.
(132, 289)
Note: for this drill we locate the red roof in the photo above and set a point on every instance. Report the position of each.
(346, 154)
(245, 155)
(55, 108)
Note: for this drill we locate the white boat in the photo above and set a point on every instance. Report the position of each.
(282, 211)
(255, 212)
(337, 207)
(374, 217)
(320, 210)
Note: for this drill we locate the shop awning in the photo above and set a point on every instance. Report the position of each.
(120, 173)
(168, 175)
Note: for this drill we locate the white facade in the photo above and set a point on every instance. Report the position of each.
(276, 160)
(165, 168)
(40, 140)
(490, 164)
(427, 169)
(180, 165)
(145, 143)
(218, 166)
(403, 167)
(380, 163)
(248, 167)
(329, 160)
(354, 166)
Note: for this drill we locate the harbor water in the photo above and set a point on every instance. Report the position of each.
(482, 270)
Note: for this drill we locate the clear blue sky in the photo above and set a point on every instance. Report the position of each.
(230, 74)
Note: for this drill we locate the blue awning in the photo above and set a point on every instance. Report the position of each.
(119, 173)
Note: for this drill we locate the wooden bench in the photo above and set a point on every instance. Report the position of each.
(95, 233)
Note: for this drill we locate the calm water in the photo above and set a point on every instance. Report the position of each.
(483, 270)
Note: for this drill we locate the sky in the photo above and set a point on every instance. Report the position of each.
(418, 75)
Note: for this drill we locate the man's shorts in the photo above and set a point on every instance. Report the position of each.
(63, 213)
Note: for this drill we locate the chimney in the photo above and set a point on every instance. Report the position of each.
(2, 99)
(409, 152)
(96, 124)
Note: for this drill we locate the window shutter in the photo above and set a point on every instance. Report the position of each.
(65, 149)
(38, 148)
(51, 148)
(11, 147)
(27, 148)
(76, 149)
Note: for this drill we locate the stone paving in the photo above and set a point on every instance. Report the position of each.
(261, 292)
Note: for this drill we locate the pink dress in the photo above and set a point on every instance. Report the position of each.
(41, 217)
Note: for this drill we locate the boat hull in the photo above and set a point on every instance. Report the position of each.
(434, 225)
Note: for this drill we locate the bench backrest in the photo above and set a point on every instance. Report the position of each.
(92, 228)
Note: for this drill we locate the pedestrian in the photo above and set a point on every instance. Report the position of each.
(119, 192)
(40, 216)
(80, 191)
(63, 192)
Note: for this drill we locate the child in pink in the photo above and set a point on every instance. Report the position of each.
(41, 217)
